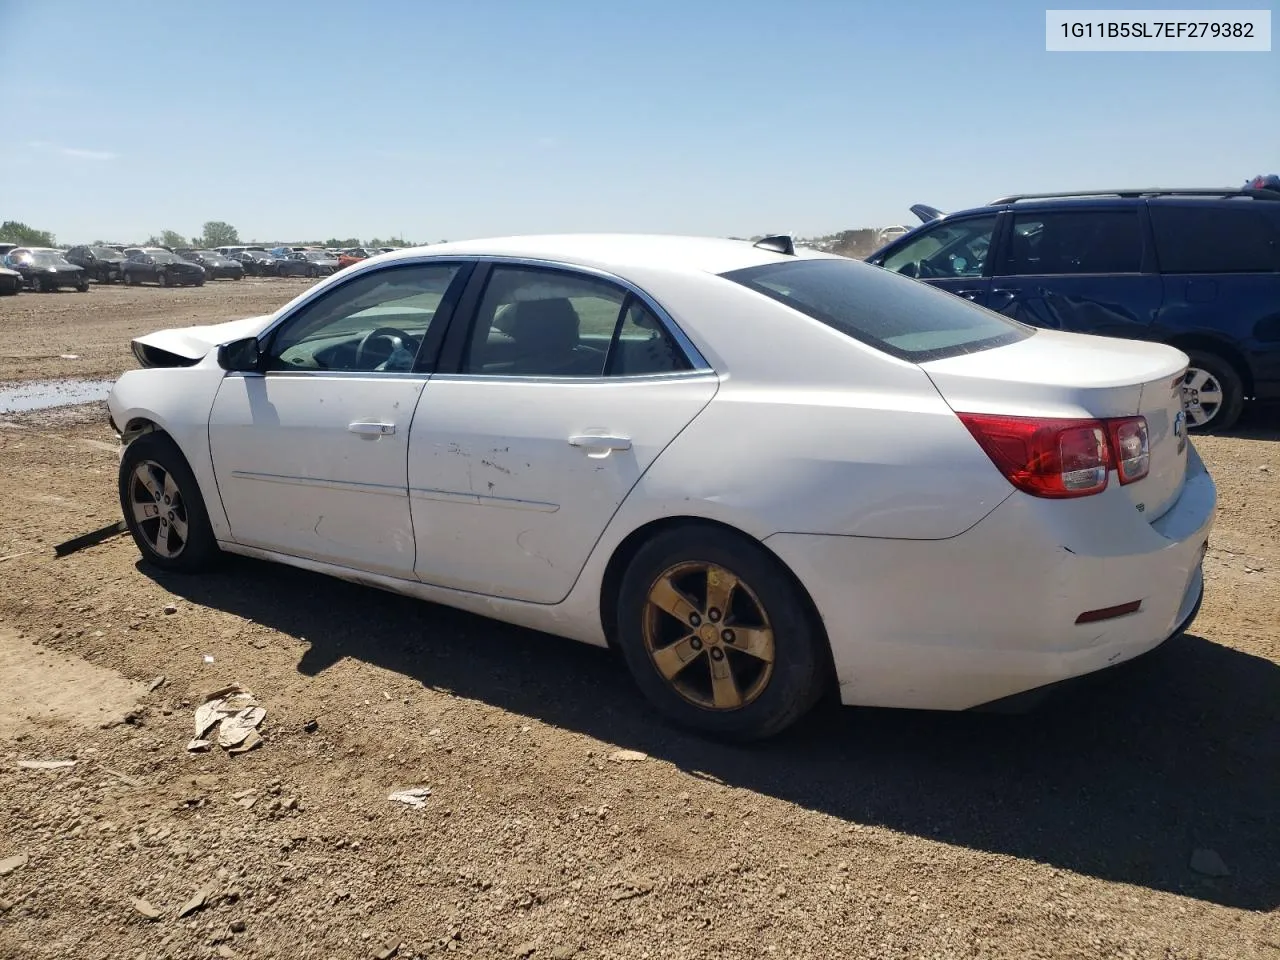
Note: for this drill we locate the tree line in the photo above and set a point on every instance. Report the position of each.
(214, 233)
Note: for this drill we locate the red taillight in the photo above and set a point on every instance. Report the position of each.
(1131, 448)
(1061, 458)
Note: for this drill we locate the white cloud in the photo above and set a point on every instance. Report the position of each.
(73, 152)
(87, 154)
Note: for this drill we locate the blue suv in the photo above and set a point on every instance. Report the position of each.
(1198, 269)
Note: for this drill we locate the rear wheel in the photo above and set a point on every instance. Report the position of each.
(162, 506)
(1212, 393)
(718, 636)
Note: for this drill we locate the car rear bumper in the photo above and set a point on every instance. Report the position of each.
(953, 624)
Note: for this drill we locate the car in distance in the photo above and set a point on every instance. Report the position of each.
(216, 266)
(315, 263)
(157, 265)
(10, 279)
(1198, 269)
(102, 264)
(351, 256)
(759, 472)
(45, 270)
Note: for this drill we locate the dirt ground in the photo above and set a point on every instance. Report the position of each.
(1066, 833)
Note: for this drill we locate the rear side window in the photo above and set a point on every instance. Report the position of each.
(905, 318)
(1215, 239)
(1081, 241)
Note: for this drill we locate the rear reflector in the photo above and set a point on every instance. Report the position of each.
(1109, 613)
(1059, 459)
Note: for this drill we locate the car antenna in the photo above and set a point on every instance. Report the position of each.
(779, 243)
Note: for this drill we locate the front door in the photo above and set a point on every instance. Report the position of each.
(567, 388)
(310, 454)
(955, 255)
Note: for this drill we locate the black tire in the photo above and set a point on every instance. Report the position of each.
(162, 278)
(1232, 405)
(82, 286)
(199, 551)
(800, 666)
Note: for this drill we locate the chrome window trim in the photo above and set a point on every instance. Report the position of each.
(697, 361)
(599, 381)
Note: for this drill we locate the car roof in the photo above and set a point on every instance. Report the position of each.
(617, 251)
(1117, 198)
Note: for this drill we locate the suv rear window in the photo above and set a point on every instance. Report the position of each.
(903, 317)
(1215, 239)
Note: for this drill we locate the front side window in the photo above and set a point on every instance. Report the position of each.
(374, 323)
(913, 321)
(552, 323)
(1080, 242)
(951, 249)
(1215, 239)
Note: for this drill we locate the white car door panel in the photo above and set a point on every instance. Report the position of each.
(315, 466)
(311, 454)
(512, 481)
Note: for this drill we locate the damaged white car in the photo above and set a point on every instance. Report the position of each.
(761, 473)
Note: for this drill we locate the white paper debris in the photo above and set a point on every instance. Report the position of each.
(414, 796)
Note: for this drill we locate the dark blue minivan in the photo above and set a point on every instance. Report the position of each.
(1198, 269)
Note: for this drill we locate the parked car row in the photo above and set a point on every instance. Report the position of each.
(48, 268)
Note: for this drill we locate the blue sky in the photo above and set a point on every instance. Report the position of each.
(453, 120)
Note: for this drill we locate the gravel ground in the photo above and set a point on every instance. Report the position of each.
(1068, 832)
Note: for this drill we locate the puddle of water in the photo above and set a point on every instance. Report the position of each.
(45, 394)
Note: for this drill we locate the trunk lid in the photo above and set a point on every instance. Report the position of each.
(1054, 374)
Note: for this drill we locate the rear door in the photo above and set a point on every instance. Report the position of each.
(1082, 270)
(954, 254)
(565, 387)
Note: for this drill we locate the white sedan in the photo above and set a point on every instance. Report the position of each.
(760, 473)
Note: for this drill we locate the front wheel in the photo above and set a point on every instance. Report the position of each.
(162, 506)
(83, 286)
(162, 278)
(718, 636)
(1212, 393)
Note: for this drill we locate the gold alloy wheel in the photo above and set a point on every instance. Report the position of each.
(708, 636)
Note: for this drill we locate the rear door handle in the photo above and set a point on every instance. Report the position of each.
(365, 429)
(601, 443)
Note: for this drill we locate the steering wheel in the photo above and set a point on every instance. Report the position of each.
(398, 339)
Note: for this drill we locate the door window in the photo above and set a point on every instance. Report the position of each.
(1214, 239)
(958, 249)
(1079, 241)
(376, 322)
(552, 323)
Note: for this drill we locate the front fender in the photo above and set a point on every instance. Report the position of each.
(177, 400)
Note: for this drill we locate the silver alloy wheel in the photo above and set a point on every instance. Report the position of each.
(1202, 396)
(158, 509)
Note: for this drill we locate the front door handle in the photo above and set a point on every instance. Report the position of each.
(372, 429)
(601, 443)
(972, 293)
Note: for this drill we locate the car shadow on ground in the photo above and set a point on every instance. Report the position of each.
(1120, 778)
(1259, 421)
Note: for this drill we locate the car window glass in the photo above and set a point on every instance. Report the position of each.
(1215, 239)
(958, 249)
(644, 346)
(1078, 241)
(547, 323)
(375, 322)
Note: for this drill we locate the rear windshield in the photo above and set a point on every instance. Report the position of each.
(903, 317)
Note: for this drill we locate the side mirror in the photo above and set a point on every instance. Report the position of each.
(240, 356)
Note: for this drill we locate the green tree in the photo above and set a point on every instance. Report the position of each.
(219, 234)
(11, 231)
(172, 239)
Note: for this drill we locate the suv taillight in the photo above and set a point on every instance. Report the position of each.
(1062, 458)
